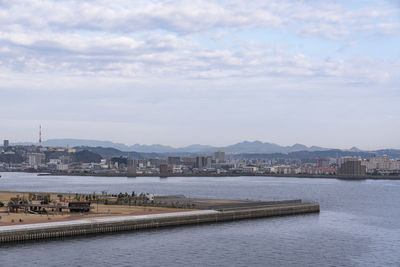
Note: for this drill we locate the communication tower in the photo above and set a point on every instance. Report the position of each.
(40, 135)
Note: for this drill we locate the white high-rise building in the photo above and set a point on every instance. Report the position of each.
(36, 159)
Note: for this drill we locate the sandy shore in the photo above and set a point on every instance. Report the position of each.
(99, 211)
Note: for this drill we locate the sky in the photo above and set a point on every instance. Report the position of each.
(323, 73)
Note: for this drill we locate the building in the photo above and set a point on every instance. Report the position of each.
(174, 160)
(322, 163)
(199, 162)
(352, 167)
(219, 157)
(62, 167)
(164, 171)
(250, 169)
(284, 170)
(189, 162)
(381, 165)
(207, 161)
(36, 159)
(131, 167)
(79, 206)
(318, 171)
(65, 159)
(5, 144)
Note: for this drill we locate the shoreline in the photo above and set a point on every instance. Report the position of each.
(310, 176)
(339, 177)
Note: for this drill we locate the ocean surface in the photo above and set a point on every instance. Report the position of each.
(359, 225)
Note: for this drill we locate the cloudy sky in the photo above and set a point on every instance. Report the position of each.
(315, 72)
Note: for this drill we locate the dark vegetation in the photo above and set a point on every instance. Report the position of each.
(86, 156)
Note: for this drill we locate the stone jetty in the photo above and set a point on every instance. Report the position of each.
(23, 232)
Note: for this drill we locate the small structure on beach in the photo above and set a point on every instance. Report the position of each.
(18, 204)
(35, 208)
(79, 206)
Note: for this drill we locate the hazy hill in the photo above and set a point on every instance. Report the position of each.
(242, 147)
(260, 147)
(156, 148)
(109, 152)
(83, 142)
(111, 149)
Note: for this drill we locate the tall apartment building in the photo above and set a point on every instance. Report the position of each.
(207, 161)
(203, 162)
(219, 157)
(36, 159)
(199, 162)
(322, 163)
(352, 167)
(131, 167)
(5, 144)
(164, 170)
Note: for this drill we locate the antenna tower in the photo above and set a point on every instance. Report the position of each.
(40, 135)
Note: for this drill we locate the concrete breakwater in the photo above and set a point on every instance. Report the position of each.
(24, 232)
(273, 175)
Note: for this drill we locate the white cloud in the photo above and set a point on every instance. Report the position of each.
(176, 62)
(124, 39)
(183, 16)
(325, 30)
(163, 56)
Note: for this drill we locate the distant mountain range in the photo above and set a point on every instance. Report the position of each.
(242, 147)
(332, 153)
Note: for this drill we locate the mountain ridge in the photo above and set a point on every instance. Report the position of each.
(241, 147)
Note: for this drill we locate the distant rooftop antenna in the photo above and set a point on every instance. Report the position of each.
(40, 135)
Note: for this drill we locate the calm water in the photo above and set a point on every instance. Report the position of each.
(359, 225)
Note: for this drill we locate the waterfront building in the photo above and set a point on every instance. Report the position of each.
(62, 167)
(36, 159)
(250, 169)
(352, 167)
(219, 157)
(207, 162)
(164, 170)
(285, 170)
(318, 171)
(381, 165)
(131, 167)
(199, 162)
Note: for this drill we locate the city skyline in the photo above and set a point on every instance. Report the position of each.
(192, 147)
(205, 72)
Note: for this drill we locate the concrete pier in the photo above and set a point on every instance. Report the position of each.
(24, 232)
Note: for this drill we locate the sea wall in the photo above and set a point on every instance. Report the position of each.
(319, 176)
(128, 223)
